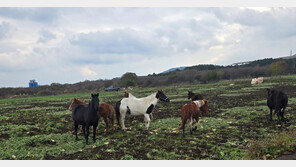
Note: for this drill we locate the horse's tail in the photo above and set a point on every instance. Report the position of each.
(117, 111)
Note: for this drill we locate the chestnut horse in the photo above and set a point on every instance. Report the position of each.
(193, 111)
(105, 110)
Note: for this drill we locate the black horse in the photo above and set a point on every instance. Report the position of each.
(87, 116)
(277, 100)
(194, 96)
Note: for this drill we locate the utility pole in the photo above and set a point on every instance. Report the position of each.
(291, 52)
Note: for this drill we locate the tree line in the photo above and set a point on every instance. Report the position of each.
(190, 75)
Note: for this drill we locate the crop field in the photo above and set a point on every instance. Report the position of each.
(236, 128)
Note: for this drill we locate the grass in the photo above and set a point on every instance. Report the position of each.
(237, 126)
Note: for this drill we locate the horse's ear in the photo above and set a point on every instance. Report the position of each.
(206, 102)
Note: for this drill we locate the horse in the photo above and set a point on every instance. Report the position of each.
(194, 96)
(139, 106)
(193, 111)
(87, 116)
(105, 110)
(129, 95)
(277, 100)
(75, 102)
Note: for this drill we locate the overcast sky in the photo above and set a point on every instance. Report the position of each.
(68, 45)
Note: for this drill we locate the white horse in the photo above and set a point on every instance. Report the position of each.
(139, 106)
(129, 95)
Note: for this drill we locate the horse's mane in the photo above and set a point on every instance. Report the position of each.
(79, 101)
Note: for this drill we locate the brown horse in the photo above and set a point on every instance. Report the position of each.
(193, 111)
(105, 110)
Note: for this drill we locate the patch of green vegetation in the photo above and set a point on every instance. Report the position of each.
(272, 146)
(41, 127)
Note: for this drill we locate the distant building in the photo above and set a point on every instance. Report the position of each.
(33, 83)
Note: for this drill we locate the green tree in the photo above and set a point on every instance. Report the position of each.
(277, 68)
(129, 79)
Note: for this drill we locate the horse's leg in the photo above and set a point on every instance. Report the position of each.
(183, 125)
(87, 133)
(282, 114)
(83, 129)
(75, 129)
(122, 116)
(106, 122)
(151, 115)
(147, 120)
(278, 113)
(112, 121)
(270, 114)
(197, 122)
(184, 120)
(94, 132)
(190, 124)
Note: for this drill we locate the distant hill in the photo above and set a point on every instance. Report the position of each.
(173, 69)
(289, 57)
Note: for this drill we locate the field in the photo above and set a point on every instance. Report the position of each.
(237, 126)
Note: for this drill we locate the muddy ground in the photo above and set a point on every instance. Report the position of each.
(42, 127)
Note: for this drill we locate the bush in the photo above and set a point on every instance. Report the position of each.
(129, 79)
(277, 68)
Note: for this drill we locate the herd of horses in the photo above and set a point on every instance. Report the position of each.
(88, 114)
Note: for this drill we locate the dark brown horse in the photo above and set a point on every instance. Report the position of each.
(105, 110)
(278, 101)
(193, 111)
(87, 116)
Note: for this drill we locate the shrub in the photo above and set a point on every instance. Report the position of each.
(129, 79)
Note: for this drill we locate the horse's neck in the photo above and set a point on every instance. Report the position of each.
(91, 109)
(152, 99)
(131, 96)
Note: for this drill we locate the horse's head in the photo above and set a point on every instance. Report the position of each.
(190, 94)
(94, 103)
(73, 104)
(126, 94)
(205, 108)
(161, 96)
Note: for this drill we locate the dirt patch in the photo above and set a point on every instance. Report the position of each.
(288, 156)
(4, 136)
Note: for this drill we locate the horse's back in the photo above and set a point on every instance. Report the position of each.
(135, 105)
(197, 97)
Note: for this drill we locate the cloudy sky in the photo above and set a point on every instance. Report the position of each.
(68, 45)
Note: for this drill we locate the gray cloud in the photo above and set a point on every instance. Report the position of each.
(61, 42)
(46, 36)
(118, 41)
(4, 28)
(44, 14)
